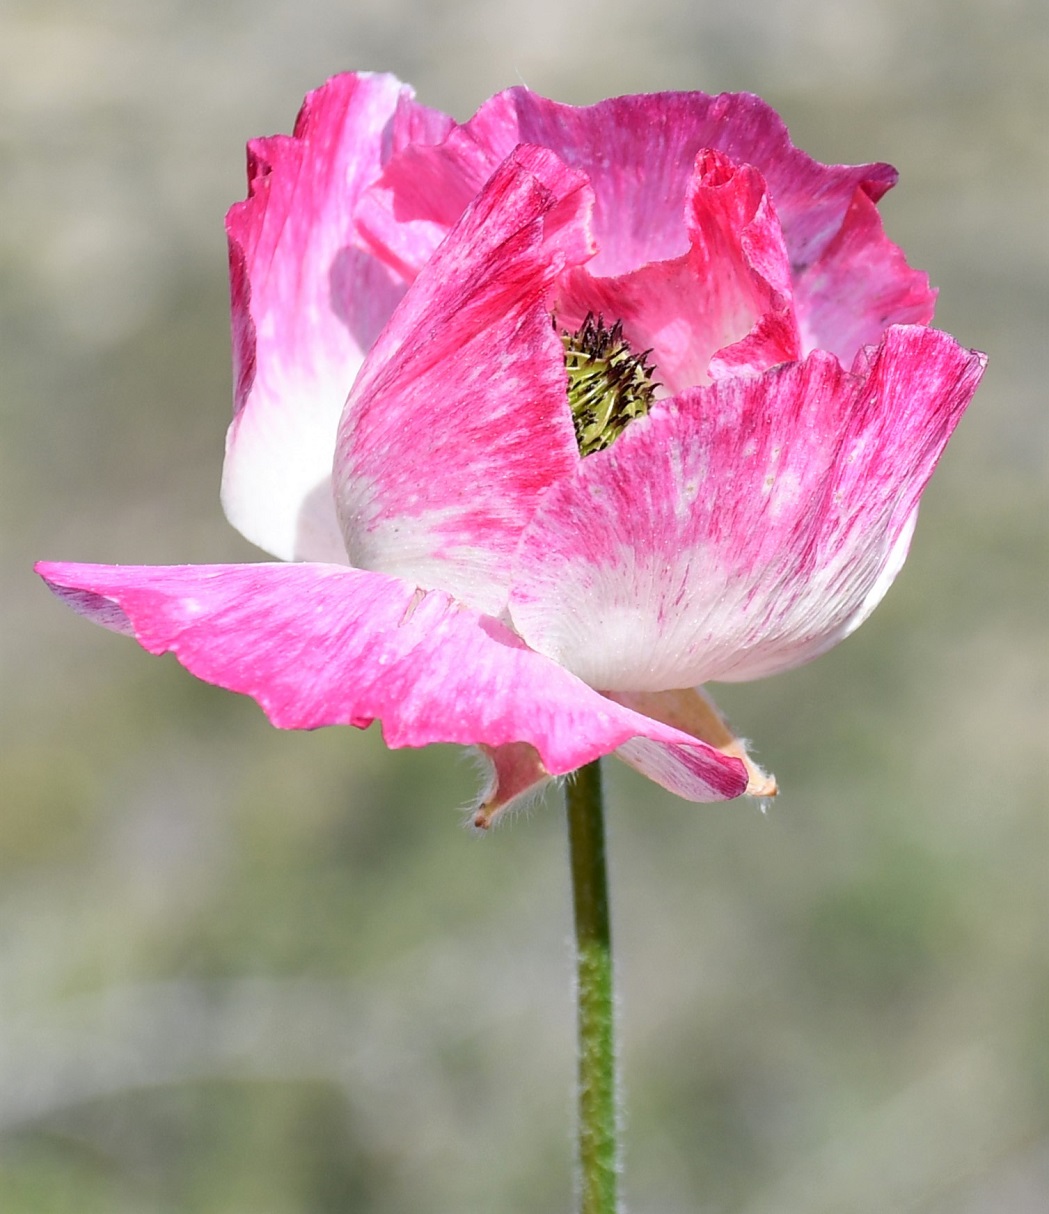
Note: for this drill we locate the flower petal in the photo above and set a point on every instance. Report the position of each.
(681, 770)
(858, 286)
(421, 195)
(459, 418)
(326, 645)
(307, 302)
(743, 528)
(638, 152)
(730, 294)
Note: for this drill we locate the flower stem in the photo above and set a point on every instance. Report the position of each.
(598, 1128)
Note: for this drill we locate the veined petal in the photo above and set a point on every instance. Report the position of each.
(729, 295)
(327, 645)
(742, 528)
(858, 286)
(307, 302)
(459, 418)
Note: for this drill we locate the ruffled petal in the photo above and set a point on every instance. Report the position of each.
(459, 418)
(638, 152)
(729, 295)
(743, 528)
(307, 302)
(681, 770)
(327, 645)
(858, 286)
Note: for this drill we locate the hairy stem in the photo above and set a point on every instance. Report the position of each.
(598, 1128)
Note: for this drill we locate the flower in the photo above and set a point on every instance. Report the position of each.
(554, 417)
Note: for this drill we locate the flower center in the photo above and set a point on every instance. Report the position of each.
(608, 384)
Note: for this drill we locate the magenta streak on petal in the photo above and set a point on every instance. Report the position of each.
(326, 645)
(742, 528)
(675, 767)
(459, 419)
(679, 769)
(307, 302)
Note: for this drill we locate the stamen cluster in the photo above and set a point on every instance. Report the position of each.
(609, 385)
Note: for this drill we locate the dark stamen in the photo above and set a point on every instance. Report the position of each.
(609, 386)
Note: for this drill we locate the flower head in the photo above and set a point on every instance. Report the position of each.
(554, 416)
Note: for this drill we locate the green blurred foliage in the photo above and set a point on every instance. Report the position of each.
(246, 971)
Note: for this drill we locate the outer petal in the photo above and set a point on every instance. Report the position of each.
(675, 767)
(858, 286)
(307, 302)
(744, 528)
(459, 418)
(638, 152)
(732, 289)
(326, 645)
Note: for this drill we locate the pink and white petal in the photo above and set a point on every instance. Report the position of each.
(307, 301)
(327, 645)
(729, 296)
(858, 286)
(742, 528)
(680, 770)
(459, 419)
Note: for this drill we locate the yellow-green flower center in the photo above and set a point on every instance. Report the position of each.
(608, 384)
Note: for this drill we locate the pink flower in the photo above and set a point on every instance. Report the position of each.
(405, 294)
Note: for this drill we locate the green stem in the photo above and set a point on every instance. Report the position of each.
(598, 1127)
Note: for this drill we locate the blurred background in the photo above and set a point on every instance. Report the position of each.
(246, 972)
